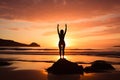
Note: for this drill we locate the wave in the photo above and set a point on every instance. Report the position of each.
(45, 51)
(51, 61)
(90, 53)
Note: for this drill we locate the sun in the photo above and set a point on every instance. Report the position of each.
(69, 43)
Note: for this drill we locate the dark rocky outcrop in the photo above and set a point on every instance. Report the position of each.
(63, 66)
(4, 42)
(4, 62)
(99, 66)
(34, 44)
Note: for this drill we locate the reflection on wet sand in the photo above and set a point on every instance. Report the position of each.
(63, 77)
(9, 73)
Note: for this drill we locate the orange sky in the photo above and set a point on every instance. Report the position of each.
(91, 23)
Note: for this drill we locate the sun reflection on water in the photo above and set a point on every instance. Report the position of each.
(58, 57)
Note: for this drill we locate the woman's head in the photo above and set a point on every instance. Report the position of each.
(61, 31)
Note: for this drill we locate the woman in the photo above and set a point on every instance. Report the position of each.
(61, 34)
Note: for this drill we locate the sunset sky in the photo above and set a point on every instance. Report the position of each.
(91, 23)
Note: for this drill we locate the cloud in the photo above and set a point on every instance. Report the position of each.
(11, 28)
(49, 33)
(15, 29)
(100, 25)
(53, 10)
(116, 46)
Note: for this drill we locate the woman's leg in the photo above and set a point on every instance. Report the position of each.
(60, 50)
(63, 50)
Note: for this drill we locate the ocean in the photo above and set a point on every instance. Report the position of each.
(42, 58)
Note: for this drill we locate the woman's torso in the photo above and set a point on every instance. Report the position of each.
(61, 38)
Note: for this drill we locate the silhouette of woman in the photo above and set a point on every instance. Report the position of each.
(61, 40)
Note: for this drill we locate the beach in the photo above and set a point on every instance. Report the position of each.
(32, 65)
(11, 74)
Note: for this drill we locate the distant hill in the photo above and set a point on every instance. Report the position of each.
(4, 42)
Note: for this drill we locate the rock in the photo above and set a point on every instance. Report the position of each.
(12, 43)
(5, 63)
(33, 44)
(99, 66)
(63, 66)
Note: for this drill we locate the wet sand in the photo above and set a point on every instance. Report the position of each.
(9, 73)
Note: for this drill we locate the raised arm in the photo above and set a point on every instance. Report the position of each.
(58, 28)
(65, 28)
